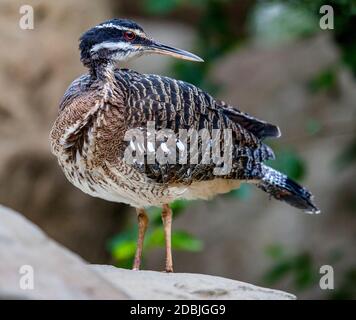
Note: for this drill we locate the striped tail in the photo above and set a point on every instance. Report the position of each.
(282, 188)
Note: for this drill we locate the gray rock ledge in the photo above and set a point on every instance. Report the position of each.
(61, 274)
(160, 285)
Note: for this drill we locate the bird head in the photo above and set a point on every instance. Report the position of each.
(118, 40)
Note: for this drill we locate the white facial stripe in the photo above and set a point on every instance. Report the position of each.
(112, 46)
(111, 25)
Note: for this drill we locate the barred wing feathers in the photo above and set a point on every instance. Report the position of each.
(175, 105)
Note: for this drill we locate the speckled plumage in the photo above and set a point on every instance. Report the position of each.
(99, 107)
(94, 115)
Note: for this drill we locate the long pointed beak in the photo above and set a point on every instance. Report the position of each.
(156, 47)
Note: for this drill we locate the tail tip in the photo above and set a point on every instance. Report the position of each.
(312, 209)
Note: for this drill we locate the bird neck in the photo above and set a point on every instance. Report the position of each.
(102, 70)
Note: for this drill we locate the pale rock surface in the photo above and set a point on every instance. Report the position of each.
(57, 272)
(60, 274)
(160, 286)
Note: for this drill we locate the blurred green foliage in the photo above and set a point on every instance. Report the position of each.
(324, 81)
(344, 23)
(242, 193)
(214, 37)
(275, 22)
(346, 288)
(159, 6)
(347, 157)
(300, 268)
(313, 126)
(289, 162)
(123, 246)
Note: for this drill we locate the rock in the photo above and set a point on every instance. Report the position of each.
(57, 272)
(161, 285)
(60, 274)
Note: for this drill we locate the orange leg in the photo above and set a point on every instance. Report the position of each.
(167, 225)
(142, 227)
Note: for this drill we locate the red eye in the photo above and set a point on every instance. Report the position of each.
(129, 35)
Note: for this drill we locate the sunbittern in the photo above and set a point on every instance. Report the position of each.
(101, 106)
